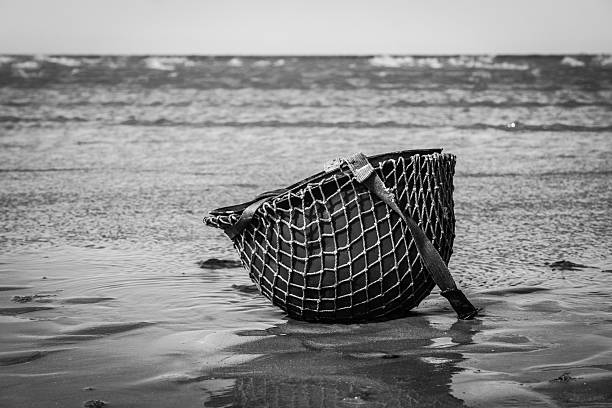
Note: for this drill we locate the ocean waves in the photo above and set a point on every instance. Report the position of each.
(381, 72)
(354, 124)
(497, 94)
(499, 97)
(495, 109)
(401, 103)
(509, 127)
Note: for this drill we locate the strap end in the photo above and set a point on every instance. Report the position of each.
(465, 310)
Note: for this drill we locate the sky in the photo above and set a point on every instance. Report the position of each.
(306, 27)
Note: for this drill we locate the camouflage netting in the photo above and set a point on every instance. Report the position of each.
(327, 249)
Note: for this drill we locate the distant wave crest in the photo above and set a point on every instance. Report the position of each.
(480, 62)
(572, 62)
(351, 124)
(28, 65)
(5, 60)
(167, 63)
(603, 60)
(511, 127)
(65, 61)
(235, 62)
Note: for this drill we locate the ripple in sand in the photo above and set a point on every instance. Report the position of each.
(86, 300)
(11, 287)
(40, 298)
(519, 290)
(248, 289)
(564, 265)
(107, 329)
(20, 357)
(546, 306)
(374, 354)
(214, 263)
(84, 333)
(12, 311)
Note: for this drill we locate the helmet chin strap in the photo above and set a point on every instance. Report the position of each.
(365, 174)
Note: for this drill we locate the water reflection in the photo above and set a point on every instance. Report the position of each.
(387, 364)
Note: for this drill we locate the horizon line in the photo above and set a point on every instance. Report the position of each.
(322, 55)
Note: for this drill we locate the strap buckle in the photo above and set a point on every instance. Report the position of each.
(333, 165)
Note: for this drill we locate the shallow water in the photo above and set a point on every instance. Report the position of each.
(106, 173)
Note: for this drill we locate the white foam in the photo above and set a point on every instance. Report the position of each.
(480, 62)
(279, 62)
(167, 63)
(603, 60)
(26, 69)
(6, 60)
(388, 61)
(27, 65)
(572, 62)
(235, 62)
(262, 63)
(429, 63)
(471, 62)
(67, 62)
(485, 62)
(510, 66)
(90, 61)
(158, 64)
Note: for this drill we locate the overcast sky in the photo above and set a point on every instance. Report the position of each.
(274, 27)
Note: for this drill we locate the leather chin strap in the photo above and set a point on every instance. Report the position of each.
(245, 217)
(433, 262)
(365, 174)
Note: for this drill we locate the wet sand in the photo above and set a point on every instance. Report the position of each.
(531, 345)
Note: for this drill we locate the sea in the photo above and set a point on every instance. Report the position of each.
(109, 163)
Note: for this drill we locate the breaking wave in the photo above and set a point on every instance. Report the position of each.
(379, 72)
(64, 61)
(27, 65)
(264, 63)
(472, 62)
(602, 60)
(167, 63)
(388, 61)
(235, 62)
(5, 60)
(572, 62)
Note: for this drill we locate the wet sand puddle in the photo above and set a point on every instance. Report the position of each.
(521, 351)
(87, 321)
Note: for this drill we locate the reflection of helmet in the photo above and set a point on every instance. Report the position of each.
(334, 248)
